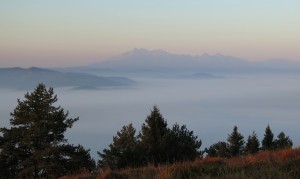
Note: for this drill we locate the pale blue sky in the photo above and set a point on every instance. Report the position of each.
(73, 32)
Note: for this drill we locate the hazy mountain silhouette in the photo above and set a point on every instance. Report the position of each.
(162, 64)
(158, 59)
(22, 78)
(143, 59)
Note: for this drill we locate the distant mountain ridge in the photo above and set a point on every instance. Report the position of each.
(146, 59)
(25, 78)
(143, 59)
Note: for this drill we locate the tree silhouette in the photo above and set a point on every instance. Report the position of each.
(268, 140)
(182, 145)
(252, 145)
(122, 152)
(283, 141)
(35, 144)
(218, 149)
(156, 144)
(153, 134)
(235, 142)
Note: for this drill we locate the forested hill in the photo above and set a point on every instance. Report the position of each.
(27, 78)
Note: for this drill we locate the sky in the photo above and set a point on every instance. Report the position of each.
(52, 33)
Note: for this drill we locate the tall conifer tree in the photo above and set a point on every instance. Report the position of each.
(252, 145)
(268, 140)
(153, 134)
(35, 144)
(235, 142)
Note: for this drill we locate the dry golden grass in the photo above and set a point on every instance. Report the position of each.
(82, 175)
(265, 164)
(265, 157)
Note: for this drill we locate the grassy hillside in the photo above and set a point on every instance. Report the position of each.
(265, 164)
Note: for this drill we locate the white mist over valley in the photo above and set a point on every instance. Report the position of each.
(209, 100)
(209, 107)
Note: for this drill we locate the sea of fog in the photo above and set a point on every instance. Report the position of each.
(209, 107)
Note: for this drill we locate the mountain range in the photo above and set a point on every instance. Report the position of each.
(138, 63)
(143, 59)
(28, 78)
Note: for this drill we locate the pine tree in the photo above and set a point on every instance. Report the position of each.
(182, 144)
(123, 151)
(235, 142)
(218, 149)
(268, 140)
(153, 134)
(156, 144)
(283, 141)
(35, 143)
(252, 145)
(80, 158)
